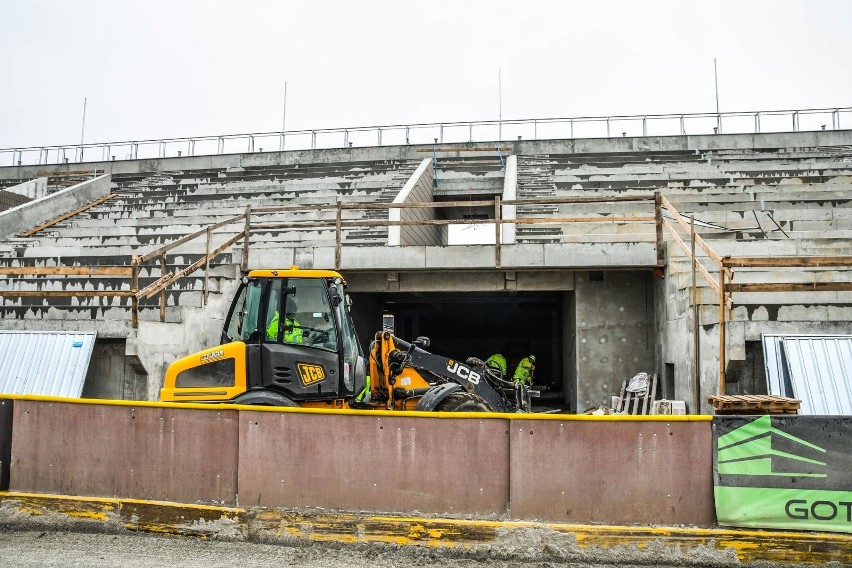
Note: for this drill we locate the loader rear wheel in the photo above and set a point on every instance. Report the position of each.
(461, 401)
(264, 398)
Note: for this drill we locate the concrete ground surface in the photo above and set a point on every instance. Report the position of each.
(46, 548)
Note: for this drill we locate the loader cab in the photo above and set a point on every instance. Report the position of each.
(299, 335)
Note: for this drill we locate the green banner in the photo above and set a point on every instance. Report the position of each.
(788, 472)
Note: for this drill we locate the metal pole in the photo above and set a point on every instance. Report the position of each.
(338, 236)
(207, 265)
(284, 119)
(696, 345)
(497, 229)
(134, 287)
(163, 291)
(722, 354)
(246, 236)
(716, 81)
(499, 104)
(83, 128)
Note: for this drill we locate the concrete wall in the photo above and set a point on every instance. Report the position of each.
(33, 189)
(620, 471)
(36, 212)
(417, 189)
(615, 333)
(510, 193)
(157, 345)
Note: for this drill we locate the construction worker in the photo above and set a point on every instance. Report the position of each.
(525, 371)
(497, 363)
(292, 330)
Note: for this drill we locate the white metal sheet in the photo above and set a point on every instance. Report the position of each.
(49, 363)
(816, 369)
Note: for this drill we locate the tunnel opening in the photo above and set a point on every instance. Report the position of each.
(479, 324)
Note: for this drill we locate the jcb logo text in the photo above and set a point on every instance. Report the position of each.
(463, 372)
(310, 374)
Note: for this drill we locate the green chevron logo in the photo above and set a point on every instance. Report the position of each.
(748, 450)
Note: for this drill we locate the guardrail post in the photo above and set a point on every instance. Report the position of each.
(406, 135)
(471, 132)
(441, 133)
(345, 138)
(251, 144)
(682, 126)
(191, 147)
(757, 123)
(163, 291)
(379, 131)
(571, 122)
(497, 231)
(607, 127)
(696, 315)
(134, 287)
(719, 122)
(835, 119)
(644, 126)
(658, 215)
(722, 341)
(207, 264)
(313, 139)
(795, 121)
(535, 129)
(338, 236)
(246, 235)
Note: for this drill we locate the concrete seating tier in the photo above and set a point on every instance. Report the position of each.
(154, 209)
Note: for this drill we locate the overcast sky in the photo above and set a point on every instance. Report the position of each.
(167, 68)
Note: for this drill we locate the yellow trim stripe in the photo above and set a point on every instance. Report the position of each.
(178, 518)
(289, 273)
(378, 413)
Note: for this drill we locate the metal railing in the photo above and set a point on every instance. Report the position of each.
(131, 269)
(723, 285)
(749, 122)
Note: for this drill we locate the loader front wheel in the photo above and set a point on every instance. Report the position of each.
(461, 401)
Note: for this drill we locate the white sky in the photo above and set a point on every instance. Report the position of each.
(168, 68)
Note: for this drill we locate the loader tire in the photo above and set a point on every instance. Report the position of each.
(462, 402)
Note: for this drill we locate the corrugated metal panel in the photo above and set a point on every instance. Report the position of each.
(775, 364)
(52, 363)
(816, 369)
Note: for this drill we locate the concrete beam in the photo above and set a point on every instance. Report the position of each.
(418, 188)
(34, 189)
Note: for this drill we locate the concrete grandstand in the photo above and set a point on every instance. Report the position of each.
(589, 269)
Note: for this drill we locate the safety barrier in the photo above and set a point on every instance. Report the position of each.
(580, 469)
(129, 266)
(439, 132)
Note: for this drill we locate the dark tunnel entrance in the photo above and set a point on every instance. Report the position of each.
(479, 324)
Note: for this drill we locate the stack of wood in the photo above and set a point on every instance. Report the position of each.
(754, 404)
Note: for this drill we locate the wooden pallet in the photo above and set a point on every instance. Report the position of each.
(754, 404)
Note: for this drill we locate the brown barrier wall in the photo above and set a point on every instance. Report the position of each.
(573, 470)
(5, 442)
(622, 472)
(144, 452)
(382, 463)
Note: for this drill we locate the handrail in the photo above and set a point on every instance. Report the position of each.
(42, 154)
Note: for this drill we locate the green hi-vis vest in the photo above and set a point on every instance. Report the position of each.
(524, 371)
(497, 362)
(292, 330)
